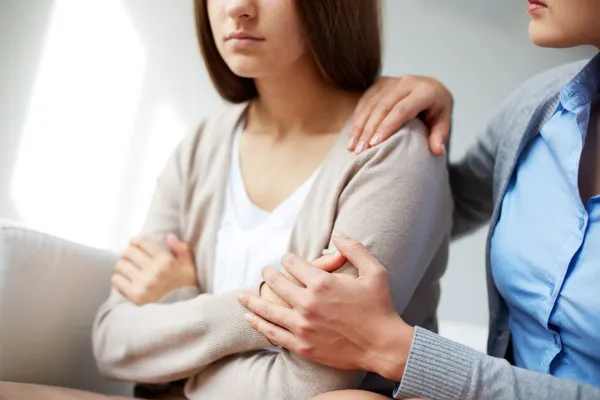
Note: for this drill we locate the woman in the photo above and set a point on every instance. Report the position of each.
(267, 176)
(535, 176)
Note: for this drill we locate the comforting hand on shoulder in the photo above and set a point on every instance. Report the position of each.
(392, 102)
(147, 272)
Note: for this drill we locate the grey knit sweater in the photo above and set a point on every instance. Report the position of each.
(439, 368)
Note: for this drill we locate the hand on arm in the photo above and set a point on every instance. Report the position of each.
(327, 324)
(392, 102)
(147, 272)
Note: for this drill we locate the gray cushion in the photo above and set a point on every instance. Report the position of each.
(50, 290)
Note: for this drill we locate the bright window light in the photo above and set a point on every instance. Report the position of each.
(80, 122)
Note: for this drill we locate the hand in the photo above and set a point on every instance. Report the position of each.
(147, 272)
(392, 102)
(342, 321)
(327, 263)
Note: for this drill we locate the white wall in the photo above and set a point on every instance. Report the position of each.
(87, 84)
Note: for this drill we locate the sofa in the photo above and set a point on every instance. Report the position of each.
(50, 289)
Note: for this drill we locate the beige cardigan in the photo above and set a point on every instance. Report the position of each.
(395, 198)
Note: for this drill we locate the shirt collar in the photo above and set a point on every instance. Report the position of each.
(584, 88)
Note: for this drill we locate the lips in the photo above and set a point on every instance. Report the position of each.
(241, 35)
(538, 3)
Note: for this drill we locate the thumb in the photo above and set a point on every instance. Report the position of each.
(180, 249)
(330, 262)
(357, 254)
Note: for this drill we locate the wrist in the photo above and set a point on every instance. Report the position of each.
(389, 354)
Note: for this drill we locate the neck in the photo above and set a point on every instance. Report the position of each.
(300, 100)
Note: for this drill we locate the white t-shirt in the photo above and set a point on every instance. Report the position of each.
(250, 238)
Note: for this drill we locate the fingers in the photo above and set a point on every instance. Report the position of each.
(181, 249)
(274, 334)
(137, 257)
(302, 270)
(404, 111)
(393, 102)
(269, 311)
(440, 134)
(363, 111)
(357, 254)
(127, 270)
(330, 262)
(282, 286)
(125, 287)
(149, 246)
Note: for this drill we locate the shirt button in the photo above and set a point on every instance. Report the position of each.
(581, 223)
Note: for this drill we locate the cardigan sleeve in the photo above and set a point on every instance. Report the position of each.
(186, 331)
(396, 199)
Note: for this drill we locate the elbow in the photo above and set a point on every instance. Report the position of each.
(111, 357)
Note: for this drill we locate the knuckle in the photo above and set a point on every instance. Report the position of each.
(409, 79)
(127, 253)
(355, 244)
(303, 328)
(150, 282)
(400, 110)
(309, 307)
(287, 259)
(322, 284)
(306, 350)
(271, 334)
(381, 275)
(165, 261)
(264, 311)
(383, 107)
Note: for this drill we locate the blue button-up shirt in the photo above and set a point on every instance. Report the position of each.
(545, 250)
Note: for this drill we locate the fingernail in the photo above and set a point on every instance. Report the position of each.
(361, 146)
(443, 149)
(337, 254)
(352, 142)
(249, 317)
(241, 297)
(340, 235)
(376, 139)
(172, 236)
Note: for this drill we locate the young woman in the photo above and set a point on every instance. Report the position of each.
(535, 176)
(267, 176)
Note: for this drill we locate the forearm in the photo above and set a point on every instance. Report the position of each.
(159, 343)
(270, 375)
(438, 368)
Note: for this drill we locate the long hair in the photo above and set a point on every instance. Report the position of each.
(343, 36)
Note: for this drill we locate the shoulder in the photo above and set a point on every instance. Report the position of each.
(208, 142)
(397, 166)
(406, 149)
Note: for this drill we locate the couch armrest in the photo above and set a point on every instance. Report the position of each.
(50, 290)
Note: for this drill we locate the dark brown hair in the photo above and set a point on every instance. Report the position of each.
(343, 36)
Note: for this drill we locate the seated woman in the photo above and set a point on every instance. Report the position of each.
(270, 175)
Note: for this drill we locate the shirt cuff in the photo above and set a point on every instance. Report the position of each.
(437, 368)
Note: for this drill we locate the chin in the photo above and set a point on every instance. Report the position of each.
(544, 36)
(540, 35)
(246, 67)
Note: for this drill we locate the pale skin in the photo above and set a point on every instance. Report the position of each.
(325, 313)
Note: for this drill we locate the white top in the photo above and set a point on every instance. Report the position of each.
(250, 238)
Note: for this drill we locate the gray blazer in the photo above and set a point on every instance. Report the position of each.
(439, 368)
